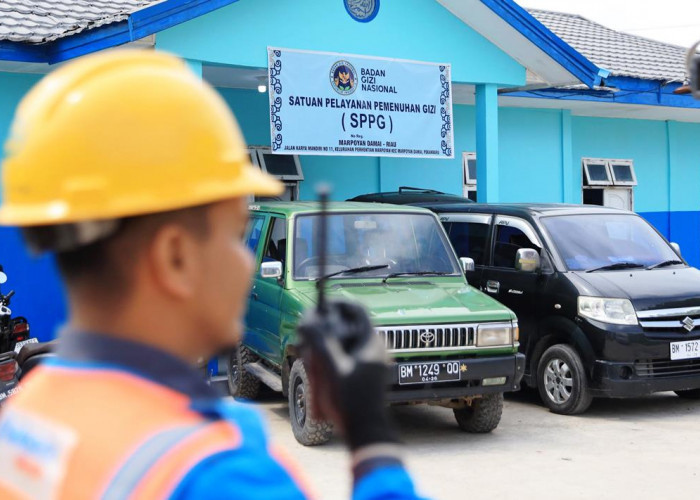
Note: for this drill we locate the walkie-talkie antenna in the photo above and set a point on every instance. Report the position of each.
(323, 191)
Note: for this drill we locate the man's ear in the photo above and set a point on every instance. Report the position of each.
(175, 261)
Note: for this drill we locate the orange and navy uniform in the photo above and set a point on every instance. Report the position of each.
(114, 419)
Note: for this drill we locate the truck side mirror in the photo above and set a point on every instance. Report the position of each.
(675, 246)
(527, 260)
(271, 269)
(467, 264)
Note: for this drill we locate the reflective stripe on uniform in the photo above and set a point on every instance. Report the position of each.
(138, 439)
(146, 455)
(163, 477)
(112, 413)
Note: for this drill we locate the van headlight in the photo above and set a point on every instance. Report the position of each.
(494, 335)
(614, 311)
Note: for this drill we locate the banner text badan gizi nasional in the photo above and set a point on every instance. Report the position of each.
(338, 104)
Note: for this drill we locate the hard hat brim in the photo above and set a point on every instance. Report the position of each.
(250, 181)
(256, 182)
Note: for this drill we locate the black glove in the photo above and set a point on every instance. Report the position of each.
(347, 365)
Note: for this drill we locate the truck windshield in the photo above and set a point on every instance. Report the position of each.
(591, 242)
(385, 243)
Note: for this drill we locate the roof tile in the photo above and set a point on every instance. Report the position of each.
(620, 53)
(39, 21)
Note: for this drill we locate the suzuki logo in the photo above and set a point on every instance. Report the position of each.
(427, 337)
(688, 323)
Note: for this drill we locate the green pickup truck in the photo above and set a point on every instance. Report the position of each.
(449, 344)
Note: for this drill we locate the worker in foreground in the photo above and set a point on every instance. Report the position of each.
(133, 172)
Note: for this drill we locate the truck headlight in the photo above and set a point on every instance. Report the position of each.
(494, 335)
(614, 311)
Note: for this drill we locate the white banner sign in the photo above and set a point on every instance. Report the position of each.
(337, 104)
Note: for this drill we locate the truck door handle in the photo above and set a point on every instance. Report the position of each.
(492, 286)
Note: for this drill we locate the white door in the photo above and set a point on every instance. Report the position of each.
(618, 198)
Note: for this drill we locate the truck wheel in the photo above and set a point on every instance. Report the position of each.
(241, 384)
(482, 416)
(307, 430)
(689, 394)
(562, 381)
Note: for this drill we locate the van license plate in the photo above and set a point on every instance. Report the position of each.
(685, 350)
(422, 373)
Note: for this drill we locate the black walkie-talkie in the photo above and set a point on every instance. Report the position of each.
(323, 192)
(337, 325)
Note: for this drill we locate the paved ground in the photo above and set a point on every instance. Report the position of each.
(621, 449)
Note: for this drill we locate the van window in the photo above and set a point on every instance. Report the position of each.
(277, 244)
(592, 241)
(396, 242)
(469, 239)
(510, 239)
(254, 231)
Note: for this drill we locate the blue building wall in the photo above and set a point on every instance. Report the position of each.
(39, 294)
(422, 30)
(684, 219)
(530, 155)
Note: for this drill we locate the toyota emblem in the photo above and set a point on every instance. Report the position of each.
(427, 337)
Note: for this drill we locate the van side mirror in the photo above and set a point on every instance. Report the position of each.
(527, 260)
(467, 264)
(271, 269)
(676, 247)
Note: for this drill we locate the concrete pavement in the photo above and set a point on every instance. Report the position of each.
(640, 448)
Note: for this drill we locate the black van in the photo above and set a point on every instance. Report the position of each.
(606, 306)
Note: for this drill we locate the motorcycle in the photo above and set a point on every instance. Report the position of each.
(14, 332)
(20, 353)
(15, 366)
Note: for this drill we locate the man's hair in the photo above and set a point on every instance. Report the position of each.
(103, 266)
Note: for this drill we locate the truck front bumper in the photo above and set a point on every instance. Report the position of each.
(470, 382)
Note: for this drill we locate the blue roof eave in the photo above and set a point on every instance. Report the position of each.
(556, 48)
(22, 52)
(138, 25)
(627, 91)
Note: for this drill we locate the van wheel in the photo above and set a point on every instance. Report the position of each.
(241, 383)
(690, 394)
(482, 416)
(562, 381)
(307, 430)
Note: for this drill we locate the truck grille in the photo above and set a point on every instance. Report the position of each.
(662, 368)
(432, 337)
(683, 320)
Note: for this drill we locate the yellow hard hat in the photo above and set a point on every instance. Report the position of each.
(119, 134)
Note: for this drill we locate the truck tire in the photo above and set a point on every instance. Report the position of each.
(482, 416)
(562, 381)
(307, 430)
(689, 394)
(241, 384)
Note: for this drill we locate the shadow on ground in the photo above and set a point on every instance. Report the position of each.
(655, 406)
